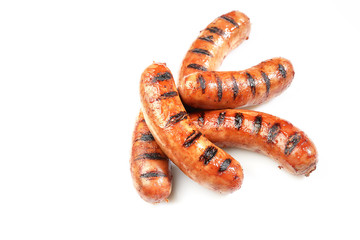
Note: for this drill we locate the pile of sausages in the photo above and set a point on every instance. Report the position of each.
(165, 130)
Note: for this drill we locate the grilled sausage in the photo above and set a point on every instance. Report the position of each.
(149, 166)
(200, 87)
(214, 43)
(172, 129)
(259, 132)
(218, 90)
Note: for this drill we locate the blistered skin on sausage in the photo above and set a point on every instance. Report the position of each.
(172, 129)
(259, 132)
(218, 90)
(214, 43)
(149, 166)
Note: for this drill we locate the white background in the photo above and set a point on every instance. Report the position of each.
(69, 76)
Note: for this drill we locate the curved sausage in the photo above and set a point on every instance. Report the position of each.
(200, 87)
(259, 132)
(218, 90)
(149, 166)
(172, 129)
(214, 43)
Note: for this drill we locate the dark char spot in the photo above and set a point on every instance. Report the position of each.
(152, 174)
(273, 132)
(209, 39)
(219, 87)
(176, 118)
(197, 67)
(238, 120)
(151, 156)
(251, 82)
(257, 124)
(221, 118)
(235, 87)
(201, 51)
(208, 154)
(191, 138)
(267, 82)
(231, 20)
(168, 95)
(146, 137)
(225, 164)
(292, 142)
(216, 30)
(282, 70)
(202, 82)
(162, 76)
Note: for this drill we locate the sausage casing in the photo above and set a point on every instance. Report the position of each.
(172, 129)
(215, 42)
(260, 132)
(232, 89)
(149, 166)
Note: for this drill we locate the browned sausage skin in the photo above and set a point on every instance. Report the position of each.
(172, 129)
(218, 90)
(259, 132)
(201, 87)
(149, 166)
(215, 42)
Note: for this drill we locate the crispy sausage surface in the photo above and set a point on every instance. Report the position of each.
(201, 87)
(172, 129)
(149, 166)
(218, 90)
(214, 43)
(259, 132)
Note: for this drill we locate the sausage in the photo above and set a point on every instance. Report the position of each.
(219, 90)
(259, 132)
(172, 129)
(149, 166)
(201, 87)
(214, 43)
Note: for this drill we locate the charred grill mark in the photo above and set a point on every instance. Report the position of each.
(208, 154)
(151, 156)
(257, 124)
(201, 119)
(191, 138)
(235, 87)
(219, 87)
(216, 30)
(168, 95)
(291, 143)
(176, 118)
(202, 82)
(252, 84)
(239, 117)
(209, 39)
(221, 119)
(282, 70)
(231, 20)
(152, 174)
(267, 82)
(273, 132)
(162, 76)
(201, 51)
(225, 164)
(197, 67)
(146, 137)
